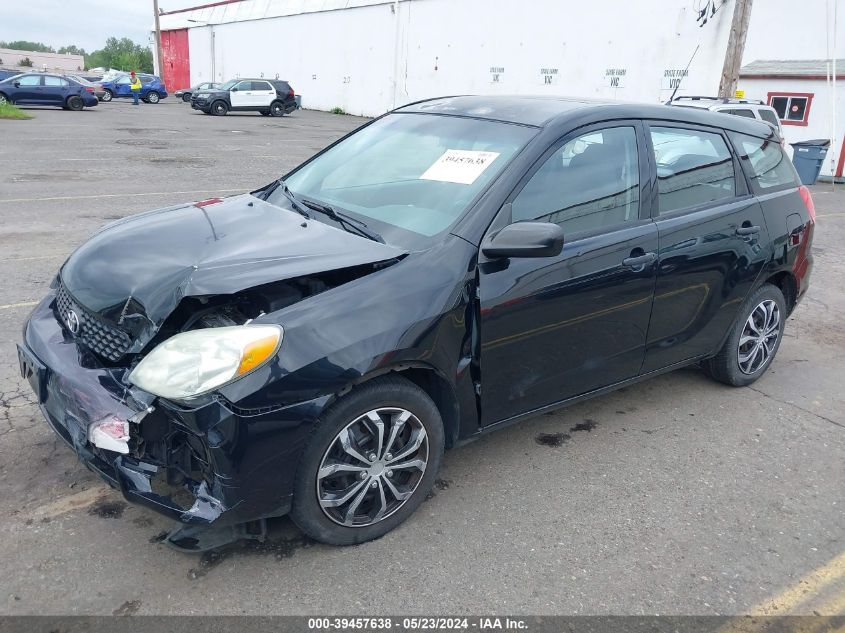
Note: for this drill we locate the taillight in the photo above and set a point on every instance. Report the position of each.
(91, 90)
(808, 201)
(291, 93)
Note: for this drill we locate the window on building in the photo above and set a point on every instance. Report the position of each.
(792, 108)
(590, 183)
(693, 168)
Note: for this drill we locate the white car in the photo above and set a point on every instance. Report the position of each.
(740, 107)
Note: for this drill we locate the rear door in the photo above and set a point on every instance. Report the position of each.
(263, 93)
(713, 242)
(556, 327)
(121, 86)
(55, 90)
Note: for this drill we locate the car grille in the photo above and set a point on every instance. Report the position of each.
(99, 337)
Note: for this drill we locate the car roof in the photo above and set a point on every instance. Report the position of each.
(542, 111)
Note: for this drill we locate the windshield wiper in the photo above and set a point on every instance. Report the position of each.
(348, 223)
(294, 201)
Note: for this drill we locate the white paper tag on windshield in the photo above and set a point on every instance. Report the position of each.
(460, 166)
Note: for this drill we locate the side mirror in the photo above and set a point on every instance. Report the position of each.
(17, 84)
(525, 239)
(233, 89)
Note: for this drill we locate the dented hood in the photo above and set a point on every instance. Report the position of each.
(142, 266)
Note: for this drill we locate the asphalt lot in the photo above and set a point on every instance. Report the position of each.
(675, 496)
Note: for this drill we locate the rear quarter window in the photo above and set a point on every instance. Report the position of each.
(769, 117)
(766, 163)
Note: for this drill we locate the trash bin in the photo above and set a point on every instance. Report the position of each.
(808, 157)
(298, 99)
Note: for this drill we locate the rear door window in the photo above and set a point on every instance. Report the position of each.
(769, 117)
(261, 85)
(694, 168)
(52, 81)
(767, 163)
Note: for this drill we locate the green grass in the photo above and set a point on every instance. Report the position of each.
(337, 111)
(8, 111)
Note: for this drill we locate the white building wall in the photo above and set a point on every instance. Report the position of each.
(377, 55)
(790, 29)
(819, 122)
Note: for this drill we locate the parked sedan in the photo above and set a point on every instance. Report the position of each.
(153, 89)
(448, 269)
(97, 87)
(46, 89)
(186, 93)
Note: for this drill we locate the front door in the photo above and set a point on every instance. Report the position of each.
(241, 95)
(29, 89)
(713, 243)
(557, 327)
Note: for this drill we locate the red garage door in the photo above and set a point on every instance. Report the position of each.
(176, 69)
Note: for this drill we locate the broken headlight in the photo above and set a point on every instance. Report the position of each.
(195, 362)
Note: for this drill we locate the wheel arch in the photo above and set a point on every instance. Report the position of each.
(788, 285)
(432, 382)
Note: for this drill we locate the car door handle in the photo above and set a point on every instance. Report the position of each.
(748, 230)
(639, 262)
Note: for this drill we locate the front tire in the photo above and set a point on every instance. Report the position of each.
(107, 96)
(186, 98)
(754, 339)
(5, 100)
(371, 460)
(219, 108)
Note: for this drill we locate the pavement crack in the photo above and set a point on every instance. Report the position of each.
(800, 408)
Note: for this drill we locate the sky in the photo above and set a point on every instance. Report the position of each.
(85, 23)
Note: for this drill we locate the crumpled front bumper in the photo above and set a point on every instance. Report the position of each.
(213, 465)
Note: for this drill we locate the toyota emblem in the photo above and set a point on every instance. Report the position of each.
(72, 320)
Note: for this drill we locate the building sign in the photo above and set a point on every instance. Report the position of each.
(497, 74)
(615, 77)
(672, 78)
(549, 76)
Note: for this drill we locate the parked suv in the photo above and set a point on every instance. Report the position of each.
(153, 89)
(47, 89)
(750, 109)
(270, 97)
(448, 269)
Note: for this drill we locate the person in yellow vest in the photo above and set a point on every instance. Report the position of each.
(134, 87)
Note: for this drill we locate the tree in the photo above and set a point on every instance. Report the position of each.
(23, 45)
(122, 54)
(72, 50)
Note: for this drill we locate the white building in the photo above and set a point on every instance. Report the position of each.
(55, 62)
(368, 56)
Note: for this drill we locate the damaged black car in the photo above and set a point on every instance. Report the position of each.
(450, 268)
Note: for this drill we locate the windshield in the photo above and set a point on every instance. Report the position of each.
(229, 84)
(409, 176)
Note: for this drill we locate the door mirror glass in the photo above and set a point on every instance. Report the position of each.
(525, 239)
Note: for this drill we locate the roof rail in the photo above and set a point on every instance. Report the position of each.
(718, 99)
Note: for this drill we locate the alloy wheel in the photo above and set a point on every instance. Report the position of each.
(759, 337)
(372, 467)
(3, 100)
(153, 97)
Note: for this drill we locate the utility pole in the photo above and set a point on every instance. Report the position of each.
(159, 61)
(736, 46)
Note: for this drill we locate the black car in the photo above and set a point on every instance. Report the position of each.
(186, 93)
(270, 97)
(446, 270)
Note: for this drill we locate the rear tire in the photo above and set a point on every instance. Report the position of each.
(277, 109)
(153, 97)
(74, 102)
(219, 108)
(107, 96)
(754, 339)
(186, 98)
(375, 491)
